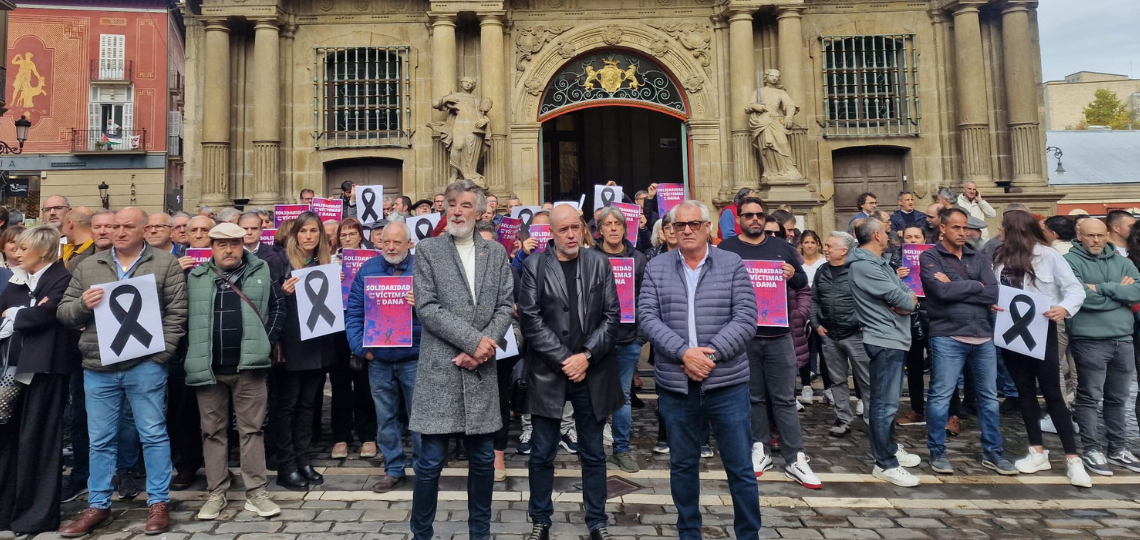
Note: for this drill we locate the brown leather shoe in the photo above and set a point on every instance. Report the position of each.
(183, 480)
(953, 426)
(387, 483)
(158, 520)
(89, 520)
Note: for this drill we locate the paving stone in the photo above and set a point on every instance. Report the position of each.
(902, 534)
(308, 527)
(850, 534)
(871, 523)
(799, 533)
(339, 515)
(1067, 523)
(250, 527)
(920, 523)
(1116, 533)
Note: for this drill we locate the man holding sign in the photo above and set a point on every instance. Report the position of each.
(391, 370)
(139, 380)
(960, 287)
(771, 353)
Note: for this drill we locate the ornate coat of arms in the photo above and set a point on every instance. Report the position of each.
(611, 77)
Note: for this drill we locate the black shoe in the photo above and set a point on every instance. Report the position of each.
(460, 451)
(541, 531)
(72, 491)
(1010, 405)
(127, 486)
(635, 402)
(601, 533)
(293, 481)
(312, 475)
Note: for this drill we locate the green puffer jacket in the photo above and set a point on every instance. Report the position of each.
(1106, 313)
(99, 269)
(202, 286)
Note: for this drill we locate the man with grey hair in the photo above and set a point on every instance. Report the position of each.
(883, 304)
(55, 207)
(841, 333)
(228, 214)
(391, 371)
(178, 230)
(158, 231)
(728, 225)
(207, 211)
(464, 294)
(698, 309)
(945, 197)
(972, 202)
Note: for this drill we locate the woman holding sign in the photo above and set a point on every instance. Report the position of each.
(297, 382)
(352, 407)
(1025, 261)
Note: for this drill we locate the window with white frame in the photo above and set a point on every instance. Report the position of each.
(111, 117)
(363, 96)
(112, 57)
(870, 85)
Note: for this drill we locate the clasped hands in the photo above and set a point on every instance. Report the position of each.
(483, 352)
(697, 364)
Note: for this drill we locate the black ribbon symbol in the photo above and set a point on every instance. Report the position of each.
(423, 229)
(1021, 321)
(608, 196)
(317, 300)
(128, 319)
(526, 215)
(368, 199)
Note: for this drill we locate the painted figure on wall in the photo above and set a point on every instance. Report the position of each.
(23, 91)
(466, 130)
(770, 120)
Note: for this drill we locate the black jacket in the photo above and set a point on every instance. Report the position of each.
(41, 344)
(545, 320)
(313, 354)
(832, 303)
(627, 333)
(961, 307)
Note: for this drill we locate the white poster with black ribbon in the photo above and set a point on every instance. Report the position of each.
(129, 320)
(369, 204)
(525, 213)
(606, 195)
(1022, 327)
(320, 308)
(422, 226)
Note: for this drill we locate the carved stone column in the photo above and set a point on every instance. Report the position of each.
(267, 113)
(494, 83)
(215, 115)
(973, 117)
(1021, 97)
(443, 83)
(742, 64)
(792, 75)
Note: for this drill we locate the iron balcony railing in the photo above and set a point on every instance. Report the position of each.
(362, 96)
(112, 71)
(870, 86)
(100, 140)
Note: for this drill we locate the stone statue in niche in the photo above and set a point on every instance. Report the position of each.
(770, 120)
(466, 131)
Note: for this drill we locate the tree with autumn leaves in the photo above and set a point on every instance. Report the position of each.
(1107, 109)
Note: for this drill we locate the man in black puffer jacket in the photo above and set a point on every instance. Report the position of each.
(833, 318)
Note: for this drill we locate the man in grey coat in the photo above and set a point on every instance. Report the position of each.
(464, 294)
(698, 309)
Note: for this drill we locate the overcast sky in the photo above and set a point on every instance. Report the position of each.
(1089, 35)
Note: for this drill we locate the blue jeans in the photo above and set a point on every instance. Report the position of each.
(627, 357)
(389, 382)
(480, 483)
(592, 454)
(144, 387)
(950, 357)
(1005, 383)
(886, 369)
(129, 448)
(728, 410)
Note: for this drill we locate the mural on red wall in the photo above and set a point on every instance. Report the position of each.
(52, 55)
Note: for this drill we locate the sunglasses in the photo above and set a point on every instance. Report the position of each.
(691, 225)
(752, 215)
(774, 233)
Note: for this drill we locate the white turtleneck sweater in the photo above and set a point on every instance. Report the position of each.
(466, 248)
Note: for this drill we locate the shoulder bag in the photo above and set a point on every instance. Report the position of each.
(276, 357)
(11, 391)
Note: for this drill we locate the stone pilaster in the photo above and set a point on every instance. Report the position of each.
(267, 113)
(215, 115)
(792, 53)
(443, 83)
(973, 116)
(494, 83)
(1021, 97)
(742, 64)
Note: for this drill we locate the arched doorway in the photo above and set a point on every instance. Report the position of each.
(364, 172)
(611, 115)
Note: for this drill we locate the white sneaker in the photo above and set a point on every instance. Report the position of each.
(827, 396)
(897, 476)
(1075, 470)
(801, 472)
(806, 395)
(607, 435)
(907, 459)
(1035, 462)
(859, 408)
(799, 406)
(761, 462)
(1047, 425)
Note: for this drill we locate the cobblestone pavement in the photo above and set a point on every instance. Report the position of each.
(974, 503)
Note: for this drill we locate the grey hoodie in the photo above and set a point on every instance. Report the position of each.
(877, 289)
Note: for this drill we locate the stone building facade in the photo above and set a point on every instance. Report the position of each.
(892, 94)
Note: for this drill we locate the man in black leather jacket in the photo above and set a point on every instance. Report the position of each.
(569, 312)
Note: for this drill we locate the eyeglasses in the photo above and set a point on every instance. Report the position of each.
(54, 208)
(155, 227)
(772, 233)
(752, 215)
(691, 225)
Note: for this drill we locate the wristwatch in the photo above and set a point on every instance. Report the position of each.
(587, 354)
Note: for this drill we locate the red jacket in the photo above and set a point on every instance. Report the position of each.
(732, 209)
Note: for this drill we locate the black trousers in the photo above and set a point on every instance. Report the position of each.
(915, 368)
(352, 406)
(504, 369)
(184, 425)
(31, 458)
(1029, 374)
(291, 416)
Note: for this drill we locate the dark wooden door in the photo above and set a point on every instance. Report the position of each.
(859, 170)
(365, 172)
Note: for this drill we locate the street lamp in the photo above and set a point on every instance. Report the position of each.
(105, 195)
(1057, 153)
(22, 127)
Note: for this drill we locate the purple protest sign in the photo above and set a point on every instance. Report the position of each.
(200, 255)
(350, 262)
(327, 209)
(541, 234)
(387, 314)
(632, 213)
(910, 254)
(283, 212)
(623, 278)
(668, 196)
(509, 232)
(267, 236)
(771, 292)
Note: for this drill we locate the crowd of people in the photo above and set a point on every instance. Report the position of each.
(236, 373)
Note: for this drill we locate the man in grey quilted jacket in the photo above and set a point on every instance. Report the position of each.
(698, 309)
